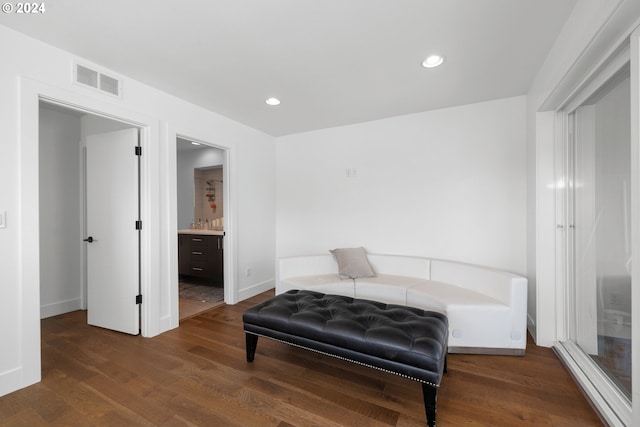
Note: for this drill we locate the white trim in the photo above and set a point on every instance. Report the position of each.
(229, 182)
(168, 233)
(28, 321)
(231, 292)
(594, 384)
(635, 230)
(597, 78)
(561, 180)
(532, 327)
(604, 395)
(545, 320)
(149, 242)
(60, 307)
(31, 92)
(16, 378)
(595, 53)
(256, 289)
(150, 250)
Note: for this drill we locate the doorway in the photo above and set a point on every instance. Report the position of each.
(201, 197)
(63, 136)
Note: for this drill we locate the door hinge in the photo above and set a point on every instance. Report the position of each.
(138, 150)
(138, 299)
(138, 225)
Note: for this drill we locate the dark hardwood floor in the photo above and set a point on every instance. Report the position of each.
(197, 375)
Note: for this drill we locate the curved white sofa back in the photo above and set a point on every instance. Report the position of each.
(306, 265)
(492, 282)
(408, 280)
(399, 265)
(497, 284)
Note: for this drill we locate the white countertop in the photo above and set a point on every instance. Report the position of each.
(204, 232)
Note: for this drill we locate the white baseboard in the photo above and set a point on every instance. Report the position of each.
(256, 289)
(167, 323)
(531, 327)
(60, 307)
(15, 379)
(613, 408)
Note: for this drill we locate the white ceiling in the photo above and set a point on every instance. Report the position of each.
(331, 62)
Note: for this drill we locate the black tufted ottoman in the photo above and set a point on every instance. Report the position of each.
(401, 340)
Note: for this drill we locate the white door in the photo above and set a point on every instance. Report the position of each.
(112, 236)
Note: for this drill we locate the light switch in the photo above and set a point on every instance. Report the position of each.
(3, 219)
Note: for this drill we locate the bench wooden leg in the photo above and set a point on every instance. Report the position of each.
(429, 394)
(251, 344)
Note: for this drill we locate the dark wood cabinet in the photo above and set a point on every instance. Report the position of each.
(201, 256)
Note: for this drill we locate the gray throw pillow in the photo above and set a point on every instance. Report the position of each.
(352, 263)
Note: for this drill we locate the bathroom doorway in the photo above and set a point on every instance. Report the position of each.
(201, 229)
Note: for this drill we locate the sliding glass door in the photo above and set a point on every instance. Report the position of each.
(598, 218)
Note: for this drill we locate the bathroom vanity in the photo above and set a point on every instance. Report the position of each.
(200, 255)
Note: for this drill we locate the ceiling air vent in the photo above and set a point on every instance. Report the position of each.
(97, 80)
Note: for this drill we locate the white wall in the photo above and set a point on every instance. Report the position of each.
(256, 190)
(60, 214)
(445, 184)
(31, 68)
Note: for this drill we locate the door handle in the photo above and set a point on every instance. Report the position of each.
(88, 239)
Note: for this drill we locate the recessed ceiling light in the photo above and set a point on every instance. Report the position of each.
(432, 61)
(272, 101)
(195, 143)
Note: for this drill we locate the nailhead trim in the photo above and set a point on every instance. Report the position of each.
(347, 359)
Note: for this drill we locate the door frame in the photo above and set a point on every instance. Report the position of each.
(228, 248)
(31, 92)
(610, 403)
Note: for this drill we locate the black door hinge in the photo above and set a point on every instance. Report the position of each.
(138, 299)
(138, 225)
(138, 150)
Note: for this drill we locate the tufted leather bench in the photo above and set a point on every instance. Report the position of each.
(402, 340)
